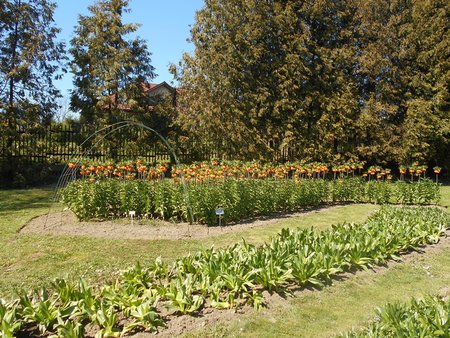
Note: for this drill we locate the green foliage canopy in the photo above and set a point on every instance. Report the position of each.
(30, 59)
(109, 69)
(330, 80)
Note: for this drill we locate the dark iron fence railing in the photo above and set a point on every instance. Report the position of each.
(62, 143)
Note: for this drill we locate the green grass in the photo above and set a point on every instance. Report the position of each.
(445, 196)
(28, 261)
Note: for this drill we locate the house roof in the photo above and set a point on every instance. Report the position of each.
(148, 87)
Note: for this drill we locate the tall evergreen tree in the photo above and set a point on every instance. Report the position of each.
(109, 68)
(330, 88)
(227, 83)
(330, 79)
(426, 53)
(405, 86)
(235, 84)
(272, 73)
(30, 59)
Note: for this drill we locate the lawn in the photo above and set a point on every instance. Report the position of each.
(27, 261)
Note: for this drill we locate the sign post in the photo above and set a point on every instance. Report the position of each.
(132, 214)
(219, 213)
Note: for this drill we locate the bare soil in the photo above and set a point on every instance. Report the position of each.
(66, 223)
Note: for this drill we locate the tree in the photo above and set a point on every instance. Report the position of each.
(426, 54)
(328, 92)
(405, 72)
(109, 69)
(270, 74)
(30, 59)
(234, 85)
(330, 80)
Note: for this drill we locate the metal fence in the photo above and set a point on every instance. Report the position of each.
(62, 143)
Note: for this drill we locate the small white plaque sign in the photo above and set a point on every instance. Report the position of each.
(219, 211)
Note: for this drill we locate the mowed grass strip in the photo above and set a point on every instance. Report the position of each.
(31, 260)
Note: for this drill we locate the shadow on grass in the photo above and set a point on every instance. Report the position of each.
(16, 200)
(293, 289)
(287, 214)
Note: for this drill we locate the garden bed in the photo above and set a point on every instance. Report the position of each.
(194, 326)
(240, 198)
(230, 278)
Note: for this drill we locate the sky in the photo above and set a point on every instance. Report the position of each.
(164, 25)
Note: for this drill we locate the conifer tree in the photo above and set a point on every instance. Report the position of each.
(30, 59)
(109, 68)
(329, 90)
(405, 72)
(330, 80)
(227, 84)
(426, 55)
(231, 83)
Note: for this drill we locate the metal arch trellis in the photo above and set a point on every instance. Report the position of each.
(67, 174)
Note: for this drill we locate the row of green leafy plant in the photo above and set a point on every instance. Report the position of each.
(220, 278)
(428, 317)
(241, 199)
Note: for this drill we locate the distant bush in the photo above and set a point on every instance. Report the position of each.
(19, 173)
